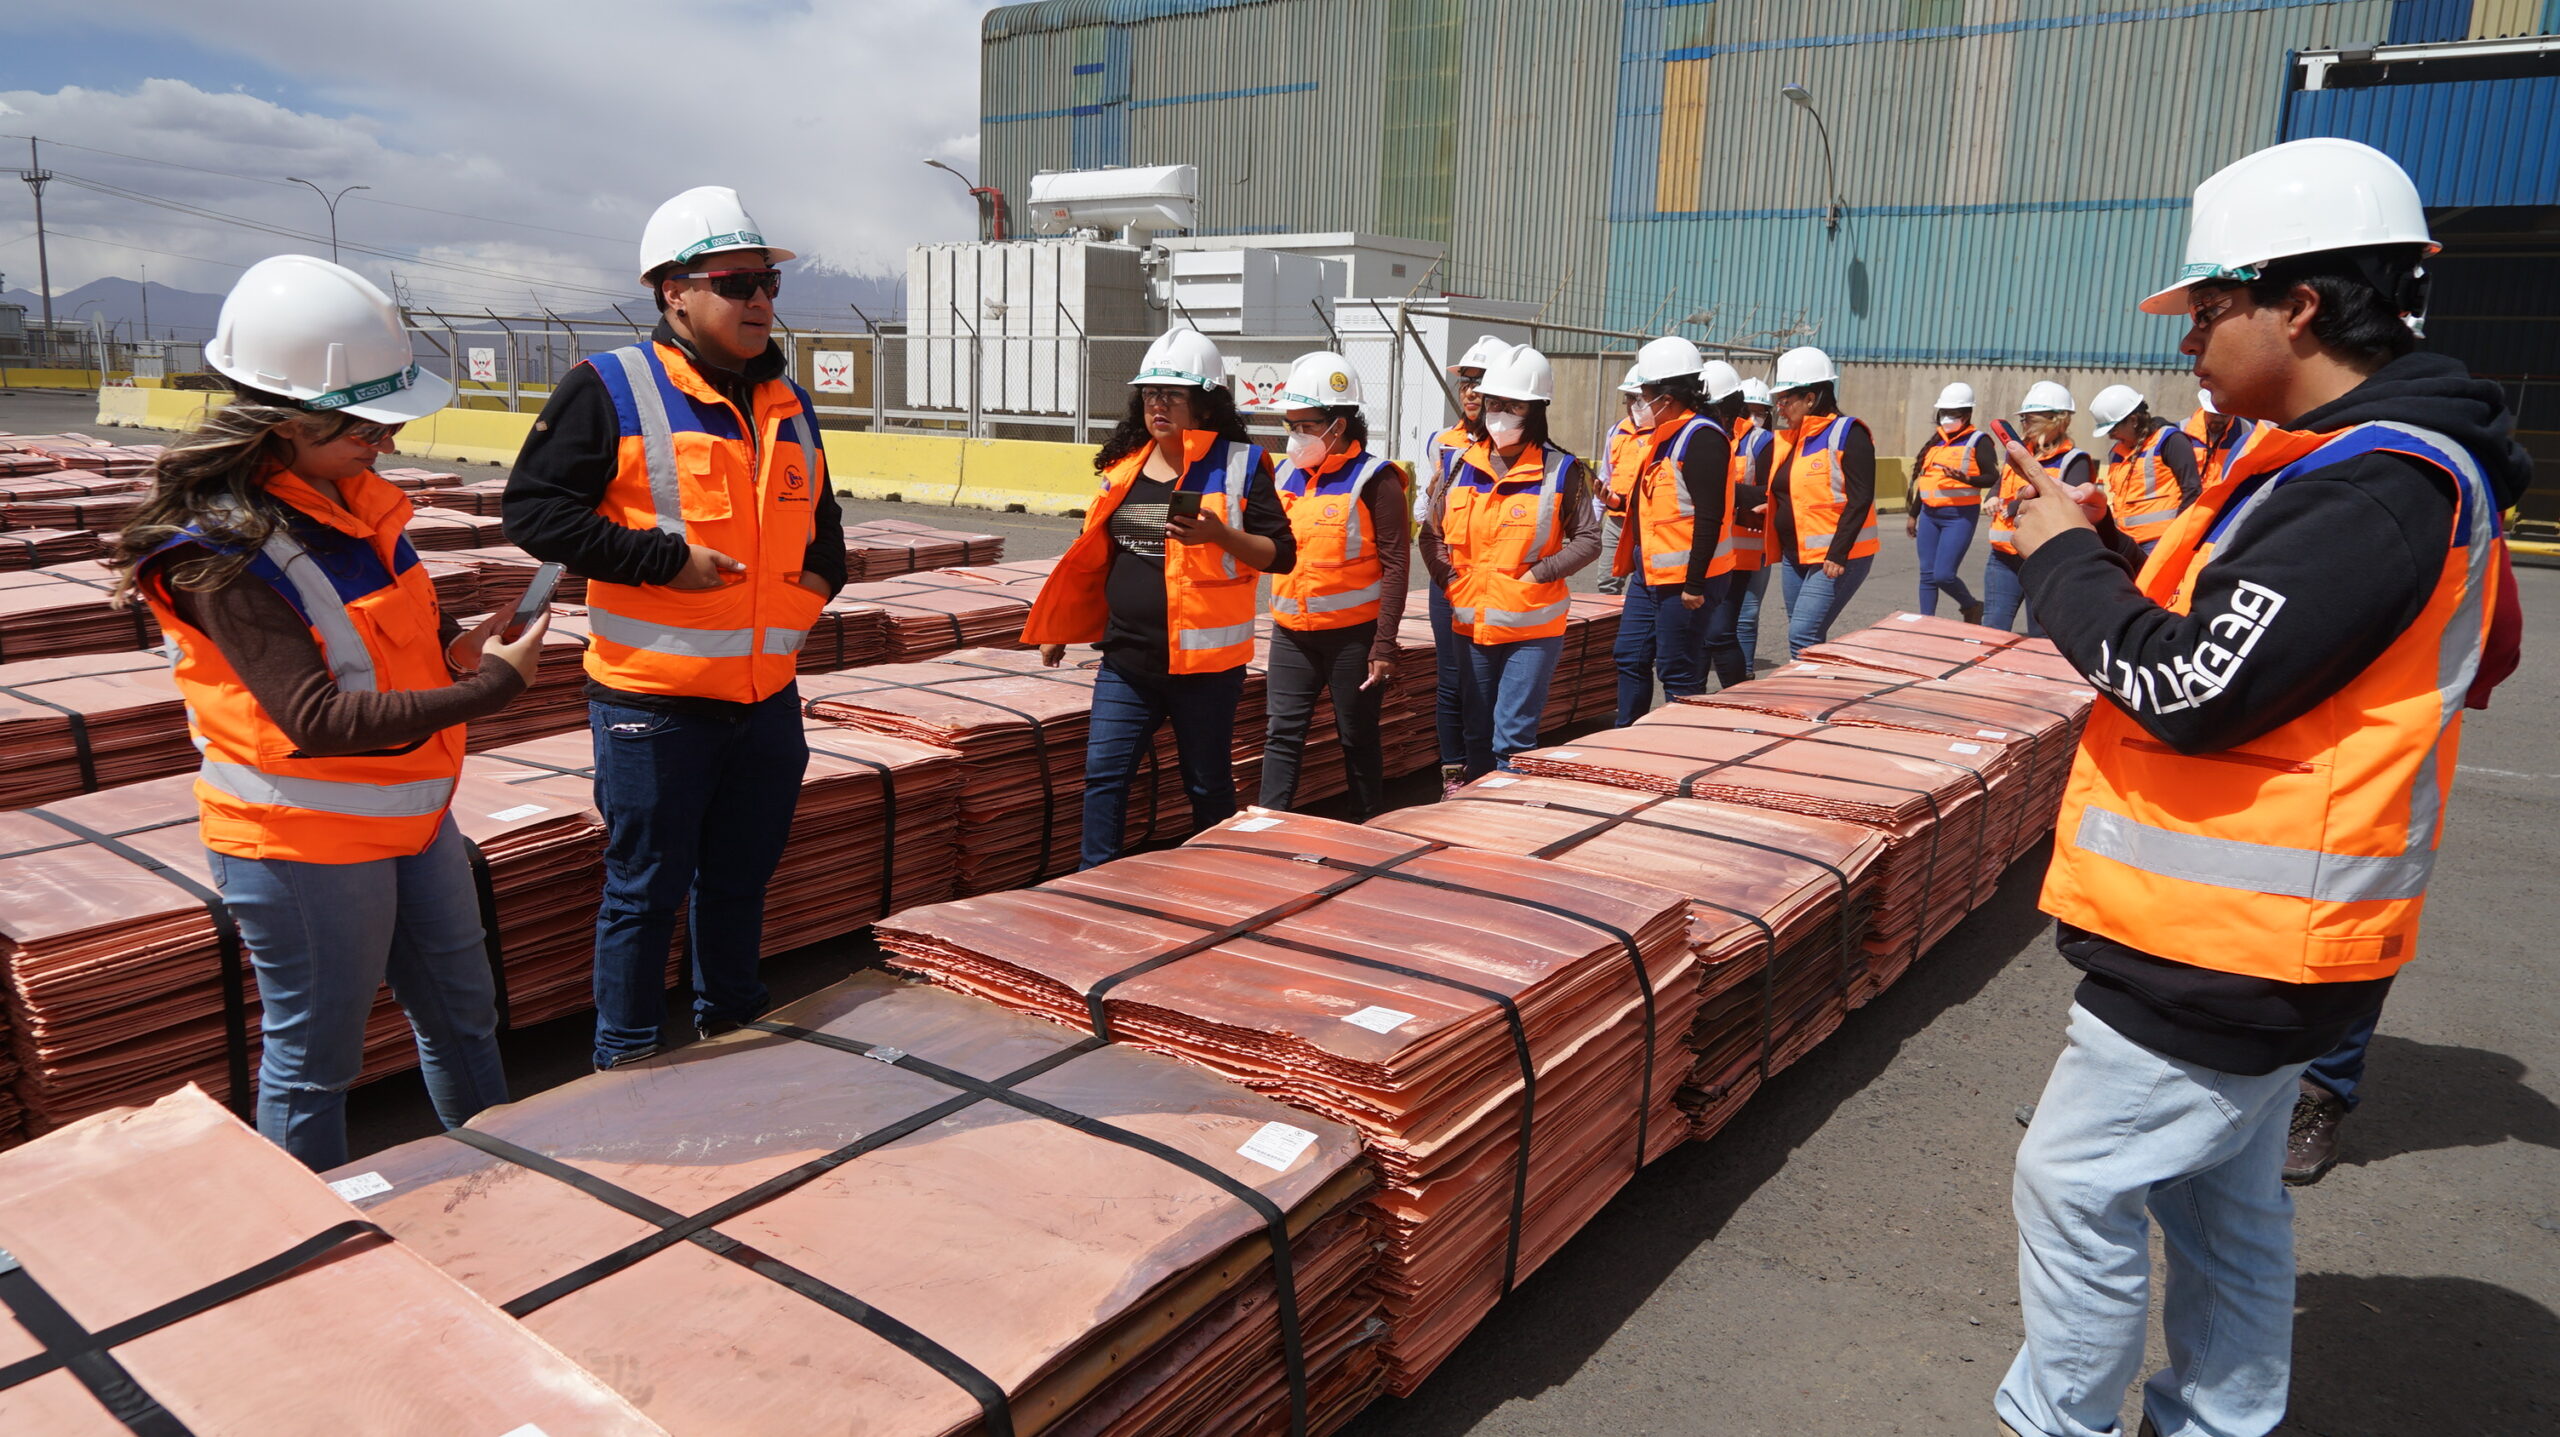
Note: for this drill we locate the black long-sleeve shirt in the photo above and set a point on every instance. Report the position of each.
(571, 458)
(2332, 568)
(1703, 469)
(1857, 459)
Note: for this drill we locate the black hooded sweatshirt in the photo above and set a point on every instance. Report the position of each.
(2354, 550)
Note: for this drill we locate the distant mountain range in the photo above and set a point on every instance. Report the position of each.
(810, 300)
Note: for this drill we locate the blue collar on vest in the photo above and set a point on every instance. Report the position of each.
(353, 568)
(1343, 480)
(2355, 443)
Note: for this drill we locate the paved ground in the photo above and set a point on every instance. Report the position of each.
(1841, 1258)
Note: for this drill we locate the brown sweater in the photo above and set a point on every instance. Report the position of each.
(267, 644)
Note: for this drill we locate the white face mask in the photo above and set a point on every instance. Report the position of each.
(1504, 428)
(1949, 424)
(1306, 451)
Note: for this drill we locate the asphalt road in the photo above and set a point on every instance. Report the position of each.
(1841, 1257)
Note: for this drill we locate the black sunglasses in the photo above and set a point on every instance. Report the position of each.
(742, 284)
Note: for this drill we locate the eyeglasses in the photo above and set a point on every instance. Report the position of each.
(1161, 396)
(374, 435)
(1311, 428)
(2210, 313)
(1466, 383)
(741, 284)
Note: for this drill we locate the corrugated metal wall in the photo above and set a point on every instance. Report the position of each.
(2466, 142)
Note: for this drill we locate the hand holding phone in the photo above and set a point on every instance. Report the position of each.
(535, 601)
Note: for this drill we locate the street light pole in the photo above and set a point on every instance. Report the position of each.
(990, 202)
(332, 202)
(1797, 92)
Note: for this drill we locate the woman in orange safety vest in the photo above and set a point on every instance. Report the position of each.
(1510, 523)
(1955, 464)
(314, 665)
(1822, 497)
(1163, 578)
(1449, 684)
(1620, 459)
(2044, 425)
(2149, 465)
(1335, 614)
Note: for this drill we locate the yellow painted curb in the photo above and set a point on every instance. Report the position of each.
(12, 377)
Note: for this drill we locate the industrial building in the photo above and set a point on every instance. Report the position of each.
(1981, 187)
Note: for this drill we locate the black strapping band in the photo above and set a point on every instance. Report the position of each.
(79, 733)
(888, 821)
(1039, 743)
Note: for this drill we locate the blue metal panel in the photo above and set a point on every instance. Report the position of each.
(2418, 22)
(2466, 142)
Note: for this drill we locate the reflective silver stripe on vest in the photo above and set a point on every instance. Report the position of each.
(1231, 635)
(2254, 867)
(1550, 499)
(2313, 873)
(657, 438)
(784, 641)
(1355, 538)
(668, 639)
(1328, 603)
(808, 447)
(321, 795)
(1240, 459)
(350, 662)
(1527, 618)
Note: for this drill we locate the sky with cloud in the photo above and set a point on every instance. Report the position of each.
(513, 150)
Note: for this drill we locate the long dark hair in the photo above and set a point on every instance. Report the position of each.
(1533, 425)
(1684, 390)
(214, 478)
(1217, 414)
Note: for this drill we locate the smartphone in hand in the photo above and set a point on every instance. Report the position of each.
(1185, 504)
(537, 597)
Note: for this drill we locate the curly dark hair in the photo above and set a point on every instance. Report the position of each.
(1217, 414)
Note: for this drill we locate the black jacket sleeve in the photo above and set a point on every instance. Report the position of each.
(561, 475)
(1858, 478)
(1703, 468)
(1264, 515)
(2328, 572)
(1987, 458)
(825, 556)
(2179, 453)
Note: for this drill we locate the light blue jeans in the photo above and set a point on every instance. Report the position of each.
(1506, 694)
(323, 938)
(1815, 599)
(2122, 1136)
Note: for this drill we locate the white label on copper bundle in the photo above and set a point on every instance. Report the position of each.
(362, 1185)
(1377, 1019)
(1254, 825)
(521, 810)
(1277, 1146)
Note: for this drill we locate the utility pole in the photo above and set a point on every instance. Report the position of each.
(36, 175)
(146, 301)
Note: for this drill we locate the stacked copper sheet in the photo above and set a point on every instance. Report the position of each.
(13, 1123)
(1406, 738)
(1020, 733)
(1585, 688)
(37, 548)
(504, 570)
(123, 980)
(1777, 902)
(97, 512)
(1923, 647)
(431, 528)
(924, 619)
(405, 477)
(80, 451)
(847, 633)
(1932, 810)
(1504, 1031)
(88, 721)
(447, 491)
(457, 583)
(36, 478)
(877, 830)
(556, 700)
(1017, 571)
(64, 609)
(883, 548)
(230, 1292)
(892, 1210)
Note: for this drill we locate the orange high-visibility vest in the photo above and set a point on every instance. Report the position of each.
(1662, 525)
(2141, 492)
(693, 466)
(1818, 487)
(1438, 457)
(371, 608)
(1496, 529)
(1951, 471)
(2014, 490)
(1751, 449)
(1334, 584)
(1208, 596)
(2212, 459)
(2302, 855)
(1621, 465)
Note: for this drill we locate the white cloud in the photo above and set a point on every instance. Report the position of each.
(579, 115)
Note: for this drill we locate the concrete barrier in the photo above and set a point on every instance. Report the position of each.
(1041, 477)
(469, 435)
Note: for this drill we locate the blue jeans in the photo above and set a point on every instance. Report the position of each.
(2341, 1069)
(1733, 633)
(2004, 593)
(1661, 634)
(1945, 533)
(1506, 692)
(1449, 696)
(1126, 713)
(2122, 1132)
(1815, 599)
(695, 807)
(324, 937)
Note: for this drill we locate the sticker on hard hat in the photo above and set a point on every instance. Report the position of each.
(1341, 382)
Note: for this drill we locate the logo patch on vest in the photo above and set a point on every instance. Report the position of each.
(1519, 511)
(1332, 512)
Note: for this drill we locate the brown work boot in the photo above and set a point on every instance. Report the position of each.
(2311, 1143)
(1970, 613)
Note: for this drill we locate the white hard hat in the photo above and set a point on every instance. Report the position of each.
(1481, 354)
(1668, 358)
(1755, 390)
(2300, 197)
(1322, 380)
(703, 220)
(1183, 356)
(1720, 379)
(1634, 380)
(2114, 405)
(2046, 397)
(1523, 373)
(323, 336)
(1802, 367)
(1956, 396)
